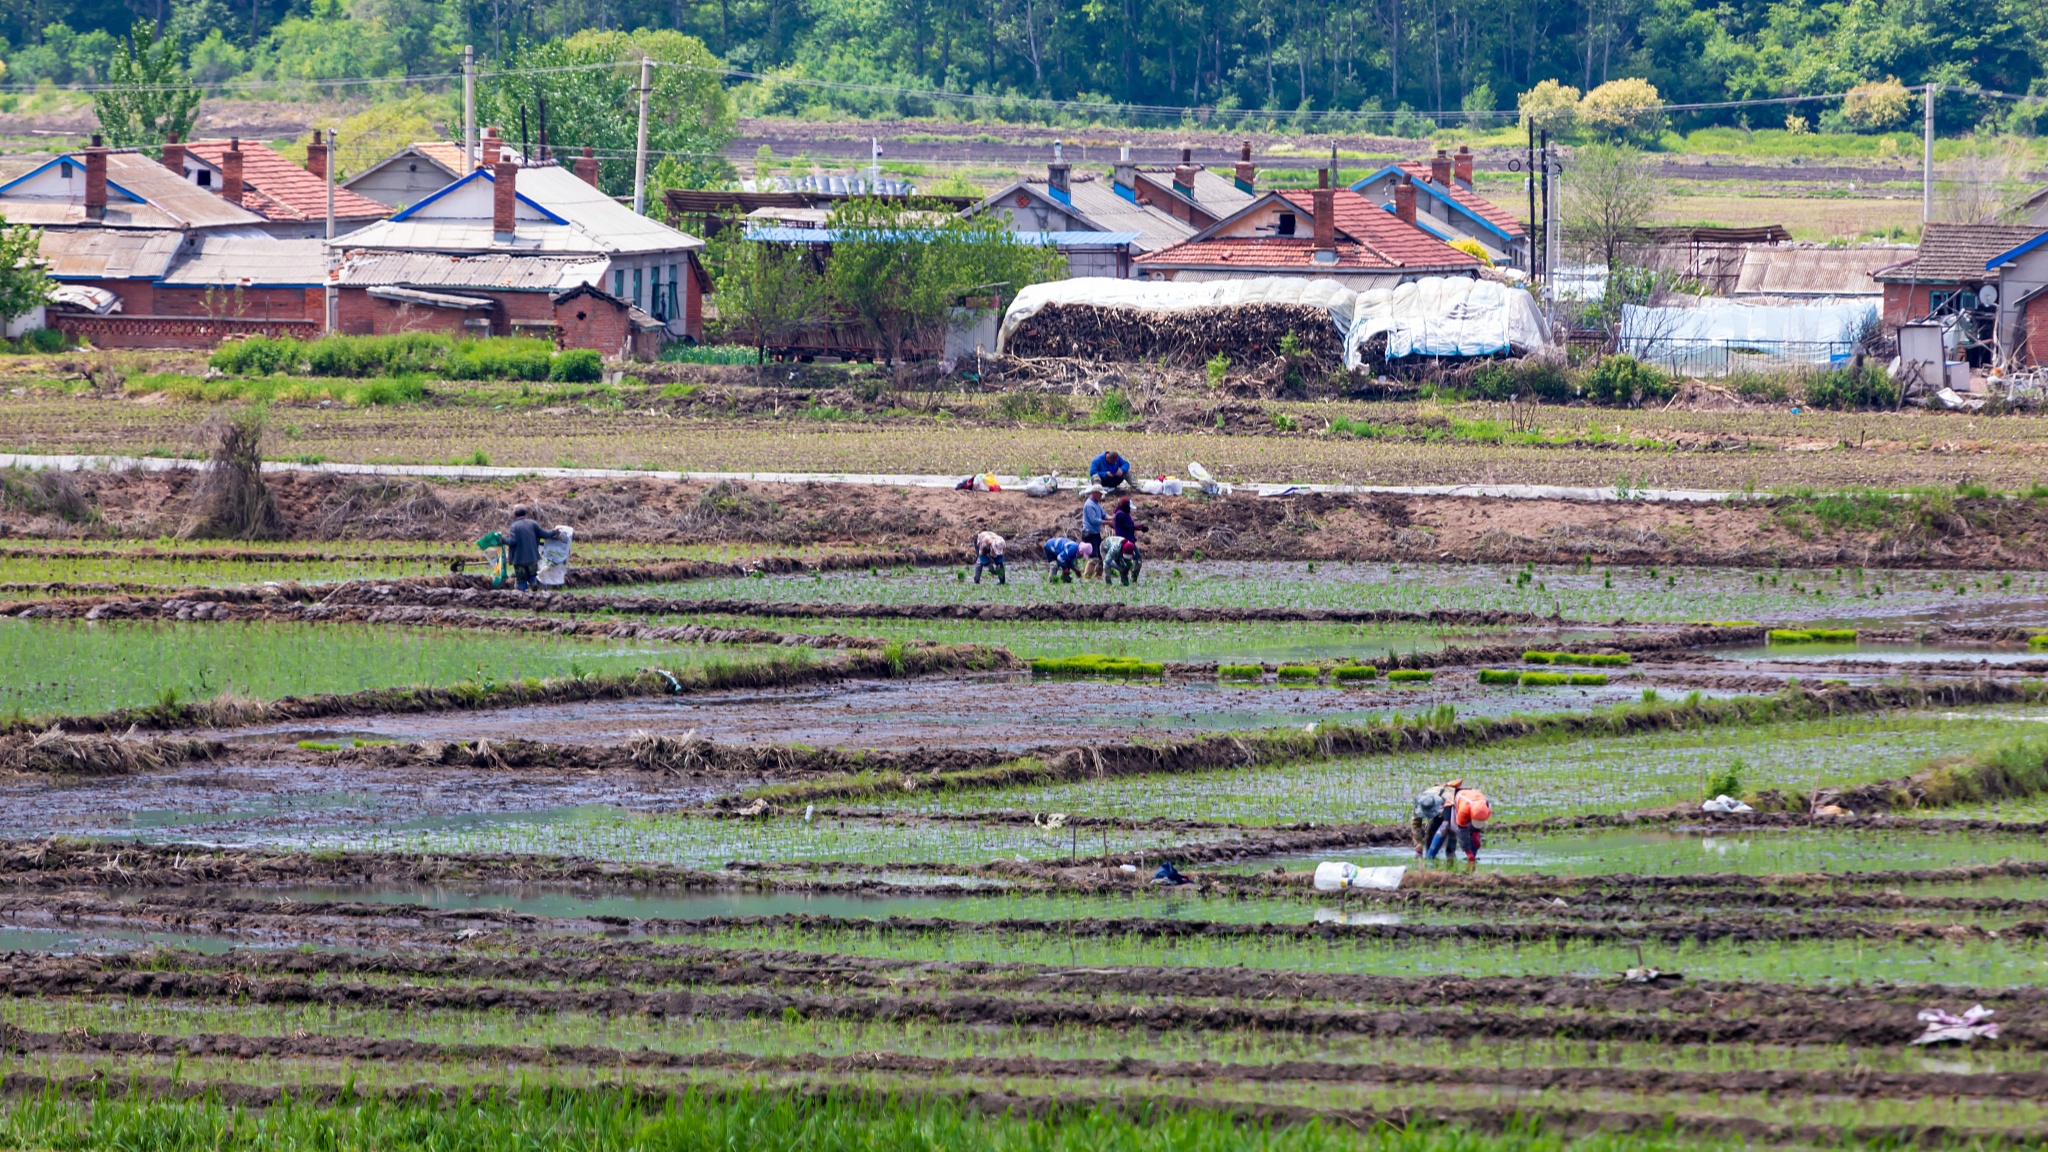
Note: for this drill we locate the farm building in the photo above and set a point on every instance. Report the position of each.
(1447, 206)
(164, 289)
(97, 187)
(291, 200)
(1077, 206)
(424, 167)
(2021, 304)
(546, 210)
(1946, 278)
(1327, 232)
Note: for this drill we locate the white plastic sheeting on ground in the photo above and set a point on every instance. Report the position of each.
(1168, 296)
(1813, 332)
(1445, 316)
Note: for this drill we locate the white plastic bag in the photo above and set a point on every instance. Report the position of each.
(1335, 875)
(1725, 803)
(1171, 486)
(554, 556)
(1043, 485)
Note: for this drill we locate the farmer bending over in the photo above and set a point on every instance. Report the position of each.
(1122, 558)
(522, 548)
(1065, 556)
(988, 553)
(1432, 808)
(1110, 470)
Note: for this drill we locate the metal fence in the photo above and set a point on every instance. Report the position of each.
(1715, 358)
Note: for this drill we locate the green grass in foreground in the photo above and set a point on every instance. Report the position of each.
(77, 668)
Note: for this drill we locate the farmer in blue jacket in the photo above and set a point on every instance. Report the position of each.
(1109, 470)
(1065, 555)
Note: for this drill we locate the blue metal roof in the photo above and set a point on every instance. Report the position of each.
(1033, 239)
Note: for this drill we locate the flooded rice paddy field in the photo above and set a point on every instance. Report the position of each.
(421, 898)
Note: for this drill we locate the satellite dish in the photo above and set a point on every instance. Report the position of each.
(1988, 295)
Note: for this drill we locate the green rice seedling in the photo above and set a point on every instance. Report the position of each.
(1811, 636)
(1240, 672)
(1299, 672)
(1410, 676)
(1091, 664)
(1499, 676)
(2038, 641)
(1588, 679)
(1544, 679)
(1356, 672)
(1539, 657)
(1596, 659)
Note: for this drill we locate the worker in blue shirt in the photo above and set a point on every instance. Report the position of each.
(1065, 556)
(1109, 470)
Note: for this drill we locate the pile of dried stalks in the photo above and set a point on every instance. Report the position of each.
(1243, 334)
(230, 499)
(668, 754)
(56, 753)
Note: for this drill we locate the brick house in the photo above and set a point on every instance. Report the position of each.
(1945, 280)
(1327, 232)
(1448, 207)
(172, 290)
(291, 200)
(546, 211)
(500, 294)
(2021, 300)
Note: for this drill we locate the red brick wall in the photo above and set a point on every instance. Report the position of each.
(2037, 329)
(693, 302)
(1903, 302)
(123, 330)
(590, 322)
(138, 297)
(257, 303)
(363, 314)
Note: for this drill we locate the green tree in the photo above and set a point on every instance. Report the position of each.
(903, 268)
(690, 115)
(765, 291)
(150, 97)
(23, 281)
(1610, 194)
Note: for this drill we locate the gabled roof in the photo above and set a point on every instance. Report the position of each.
(1401, 244)
(561, 215)
(278, 189)
(2017, 252)
(227, 261)
(1367, 238)
(1466, 202)
(107, 253)
(1106, 209)
(141, 193)
(1215, 194)
(1954, 253)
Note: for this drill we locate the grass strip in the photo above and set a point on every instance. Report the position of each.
(1299, 672)
(1597, 659)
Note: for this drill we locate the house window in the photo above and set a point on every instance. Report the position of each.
(654, 292)
(673, 313)
(205, 178)
(619, 283)
(1287, 224)
(636, 288)
(64, 170)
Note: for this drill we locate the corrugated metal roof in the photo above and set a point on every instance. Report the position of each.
(498, 270)
(1811, 271)
(108, 254)
(230, 260)
(596, 223)
(188, 203)
(1098, 200)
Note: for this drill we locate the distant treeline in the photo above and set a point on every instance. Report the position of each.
(1433, 58)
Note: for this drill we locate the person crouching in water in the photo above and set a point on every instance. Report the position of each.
(988, 553)
(1065, 556)
(1122, 559)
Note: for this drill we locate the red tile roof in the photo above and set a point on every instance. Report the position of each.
(1471, 201)
(278, 189)
(1400, 244)
(1257, 253)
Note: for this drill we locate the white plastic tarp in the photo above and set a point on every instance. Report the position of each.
(1656, 333)
(1169, 296)
(1445, 316)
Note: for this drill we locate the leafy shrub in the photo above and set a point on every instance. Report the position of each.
(1026, 404)
(1503, 379)
(1114, 408)
(1847, 387)
(577, 366)
(1728, 781)
(44, 340)
(1299, 672)
(1626, 380)
(1410, 676)
(1499, 676)
(258, 356)
(519, 358)
(1544, 679)
(1240, 672)
(1356, 672)
(1218, 369)
(377, 355)
(1811, 636)
(1587, 679)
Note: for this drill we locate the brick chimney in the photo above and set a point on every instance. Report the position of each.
(316, 156)
(1325, 198)
(503, 215)
(1244, 171)
(1440, 168)
(489, 149)
(96, 181)
(1184, 175)
(1404, 200)
(1059, 175)
(231, 172)
(174, 155)
(586, 167)
(1126, 175)
(1461, 166)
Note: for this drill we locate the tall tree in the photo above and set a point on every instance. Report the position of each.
(150, 97)
(1610, 195)
(24, 282)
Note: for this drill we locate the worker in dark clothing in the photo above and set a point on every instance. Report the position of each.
(522, 547)
(1125, 525)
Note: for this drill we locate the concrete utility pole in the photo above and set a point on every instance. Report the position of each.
(640, 149)
(1927, 155)
(469, 106)
(331, 286)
